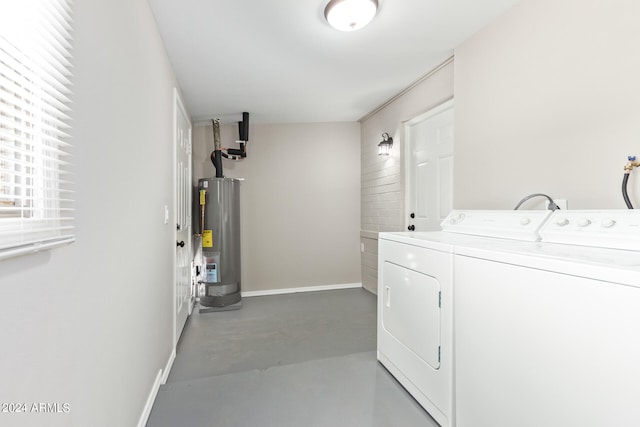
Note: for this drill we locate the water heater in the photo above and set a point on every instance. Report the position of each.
(220, 229)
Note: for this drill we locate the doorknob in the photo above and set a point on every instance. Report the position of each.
(411, 227)
(180, 243)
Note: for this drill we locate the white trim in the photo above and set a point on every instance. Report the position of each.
(439, 67)
(249, 294)
(174, 142)
(366, 234)
(178, 108)
(146, 411)
(161, 378)
(168, 366)
(34, 248)
(432, 111)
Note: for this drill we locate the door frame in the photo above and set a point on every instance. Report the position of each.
(178, 108)
(444, 105)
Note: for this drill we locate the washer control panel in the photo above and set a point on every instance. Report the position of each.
(517, 225)
(616, 228)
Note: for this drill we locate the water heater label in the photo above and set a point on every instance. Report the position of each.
(212, 273)
(207, 239)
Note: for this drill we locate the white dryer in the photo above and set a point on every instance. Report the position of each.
(548, 334)
(415, 299)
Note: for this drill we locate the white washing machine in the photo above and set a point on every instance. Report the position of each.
(548, 334)
(415, 299)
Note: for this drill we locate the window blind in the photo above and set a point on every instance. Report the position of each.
(36, 206)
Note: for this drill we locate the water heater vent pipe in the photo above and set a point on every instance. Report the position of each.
(243, 138)
(216, 156)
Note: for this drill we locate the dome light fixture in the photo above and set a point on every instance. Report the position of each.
(350, 15)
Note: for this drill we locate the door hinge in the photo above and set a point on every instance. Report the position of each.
(439, 354)
(440, 299)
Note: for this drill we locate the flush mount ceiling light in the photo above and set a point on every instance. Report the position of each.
(350, 15)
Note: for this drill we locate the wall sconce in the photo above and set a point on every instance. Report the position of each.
(384, 148)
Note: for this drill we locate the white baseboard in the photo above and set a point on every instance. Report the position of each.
(161, 378)
(146, 411)
(167, 368)
(302, 289)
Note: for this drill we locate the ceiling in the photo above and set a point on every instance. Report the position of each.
(280, 61)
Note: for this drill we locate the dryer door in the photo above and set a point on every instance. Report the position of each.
(415, 323)
(411, 311)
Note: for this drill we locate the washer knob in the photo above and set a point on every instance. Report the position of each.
(562, 222)
(525, 221)
(607, 223)
(583, 222)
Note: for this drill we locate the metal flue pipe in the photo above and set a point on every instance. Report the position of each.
(216, 155)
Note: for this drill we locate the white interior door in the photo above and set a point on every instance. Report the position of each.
(429, 168)
(182, 203)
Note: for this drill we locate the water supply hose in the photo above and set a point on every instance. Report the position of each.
(552, 204)
(625, 179)
(625, 195)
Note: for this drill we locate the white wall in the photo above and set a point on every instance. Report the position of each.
(299, 202)
(90, 324)
(548, 100)
(382, 180)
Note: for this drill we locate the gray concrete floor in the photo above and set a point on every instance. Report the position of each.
(305, 359)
